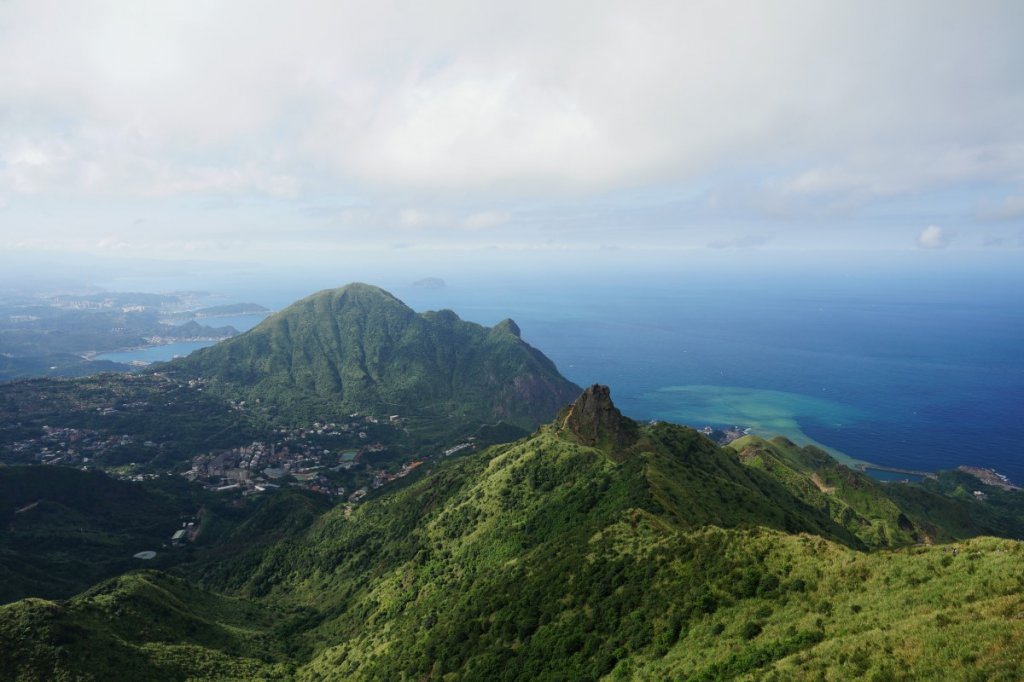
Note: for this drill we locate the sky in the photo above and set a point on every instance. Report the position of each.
(400, 134)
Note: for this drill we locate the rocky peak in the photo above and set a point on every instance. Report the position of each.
(595, 420)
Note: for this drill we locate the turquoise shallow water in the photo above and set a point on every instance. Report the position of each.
(766, 413)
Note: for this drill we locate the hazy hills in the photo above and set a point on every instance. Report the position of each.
(58, 335)
(358, 348)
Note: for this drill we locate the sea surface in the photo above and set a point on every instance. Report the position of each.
(915, 375)
(169, 351)
(919, 374)
(166, 351)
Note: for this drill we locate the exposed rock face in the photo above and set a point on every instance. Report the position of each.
(595, 420)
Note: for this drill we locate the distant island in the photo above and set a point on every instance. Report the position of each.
(429, 283)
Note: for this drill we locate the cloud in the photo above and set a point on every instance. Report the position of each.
(332, 122)
(863, 176)
(112, 243)
(414, 218)
(933, 237)
(1010, 208)
(506, 98)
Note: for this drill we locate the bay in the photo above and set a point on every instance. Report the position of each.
(167, 351)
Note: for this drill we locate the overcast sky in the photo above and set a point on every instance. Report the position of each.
(300, 131)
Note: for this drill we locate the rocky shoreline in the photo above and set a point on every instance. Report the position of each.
(989, 477)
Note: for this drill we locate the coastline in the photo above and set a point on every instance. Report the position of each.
(768, 413)
(986, 476)
(94, 354)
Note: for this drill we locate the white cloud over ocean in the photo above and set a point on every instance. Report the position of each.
(933, 237)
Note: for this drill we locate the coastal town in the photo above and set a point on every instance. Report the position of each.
(296, 458)
(345, 460)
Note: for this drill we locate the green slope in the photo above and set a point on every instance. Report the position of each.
(62, 530)
(142, 626)
(358, 348)
(597, 548)
(880, 514)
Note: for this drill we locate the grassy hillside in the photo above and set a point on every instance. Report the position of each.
(880, 514)
(64, 530)
(358, 348)
(597, 548)
(143, 626)
(643, 557)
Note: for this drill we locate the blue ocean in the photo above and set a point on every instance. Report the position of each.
(917, 373)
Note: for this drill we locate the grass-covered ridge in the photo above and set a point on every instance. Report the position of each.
(597, 548)
(650, 558)
(880, 514)
(142, 626)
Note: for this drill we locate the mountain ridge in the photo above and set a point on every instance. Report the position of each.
(359, 348)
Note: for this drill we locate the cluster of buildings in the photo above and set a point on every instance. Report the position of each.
(70, 446)
(381, 478)
(305, 457)
(724, 436)
(261, 467)
(323, 457)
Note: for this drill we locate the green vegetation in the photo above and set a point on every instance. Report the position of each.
(64, 529)
(358, 348)
(220, 311)
(594, 548)
(597, 548)
(880, 514)
(54, 364)
(117, 415)
(142, 626)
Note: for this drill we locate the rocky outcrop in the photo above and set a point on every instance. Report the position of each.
(595, 421)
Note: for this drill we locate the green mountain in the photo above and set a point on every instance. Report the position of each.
(597, 548)
(358, 348)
